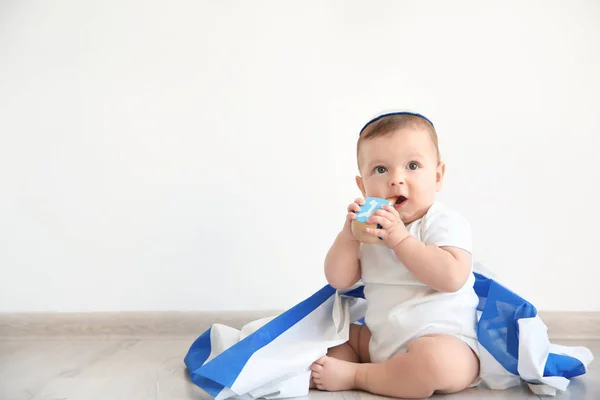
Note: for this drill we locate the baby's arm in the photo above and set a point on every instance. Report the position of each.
(342, 266)
(442, 260)
(445, 269)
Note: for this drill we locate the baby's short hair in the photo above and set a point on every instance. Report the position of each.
(392, 122)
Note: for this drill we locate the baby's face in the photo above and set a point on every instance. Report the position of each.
(403, 167)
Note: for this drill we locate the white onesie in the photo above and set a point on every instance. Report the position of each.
(400, 308)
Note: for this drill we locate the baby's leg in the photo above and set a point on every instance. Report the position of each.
(355, 350)
(431, 364)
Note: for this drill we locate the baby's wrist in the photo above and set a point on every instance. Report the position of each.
(347, 235)
(398, 242)
(399, 234)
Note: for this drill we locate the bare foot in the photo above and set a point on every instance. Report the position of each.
(332, 374)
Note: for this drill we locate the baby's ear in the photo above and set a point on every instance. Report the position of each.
(439, 175)
(361, 186)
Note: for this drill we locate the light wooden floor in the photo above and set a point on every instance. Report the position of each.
(152, 368)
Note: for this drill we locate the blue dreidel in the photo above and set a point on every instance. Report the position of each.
(359, 225)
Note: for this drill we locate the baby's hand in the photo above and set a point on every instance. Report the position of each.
(353, 208)
(392, 231)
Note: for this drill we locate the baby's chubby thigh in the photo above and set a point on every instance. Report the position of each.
(450, 364)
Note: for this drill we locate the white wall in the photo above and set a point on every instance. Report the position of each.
(139, 141)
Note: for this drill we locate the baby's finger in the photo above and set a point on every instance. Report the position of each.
(381, 233)
(350, 216)
(386, 214)
(390, 209)
(353, 207)
(360, 201)
(383, 221)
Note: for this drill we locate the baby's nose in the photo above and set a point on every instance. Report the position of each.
(397, 179)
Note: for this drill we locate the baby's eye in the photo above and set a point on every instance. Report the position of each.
(380, 169)
(413, 165)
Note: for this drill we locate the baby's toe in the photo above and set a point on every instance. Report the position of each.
(321, 360)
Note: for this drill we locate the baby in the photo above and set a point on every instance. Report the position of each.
(419, 335)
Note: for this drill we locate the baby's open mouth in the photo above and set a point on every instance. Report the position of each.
(399, 201)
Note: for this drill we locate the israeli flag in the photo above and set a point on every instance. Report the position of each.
(270, 358)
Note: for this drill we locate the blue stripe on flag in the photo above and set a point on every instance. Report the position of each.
(198, 353)
(562, 365)
(224, 369)
(357, 292)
